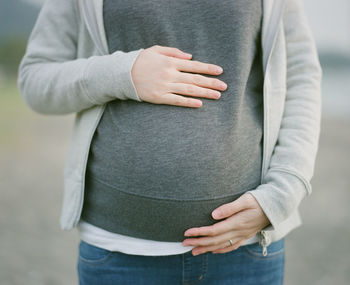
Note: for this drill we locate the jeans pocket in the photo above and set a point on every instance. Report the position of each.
(90, 254)
(275, 249)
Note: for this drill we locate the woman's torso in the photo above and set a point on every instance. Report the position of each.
(178, 159)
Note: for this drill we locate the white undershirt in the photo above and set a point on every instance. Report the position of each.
(130, 245)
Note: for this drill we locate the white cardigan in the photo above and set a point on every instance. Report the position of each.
(67, 68)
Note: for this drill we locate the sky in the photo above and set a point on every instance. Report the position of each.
(329, 21)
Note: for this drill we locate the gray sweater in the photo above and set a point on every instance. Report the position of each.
(165, 173)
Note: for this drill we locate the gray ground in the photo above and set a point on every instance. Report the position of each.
(34, 251)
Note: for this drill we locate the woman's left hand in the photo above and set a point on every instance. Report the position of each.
(244, 218)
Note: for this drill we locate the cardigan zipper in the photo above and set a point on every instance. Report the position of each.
(264, 241)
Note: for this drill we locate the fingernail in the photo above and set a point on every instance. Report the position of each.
(198, 103)
(216, 214)
(219, 69)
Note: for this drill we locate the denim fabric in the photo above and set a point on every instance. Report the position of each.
(245, 266)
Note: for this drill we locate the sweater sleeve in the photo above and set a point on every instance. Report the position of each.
(291, 167)
(52, 80)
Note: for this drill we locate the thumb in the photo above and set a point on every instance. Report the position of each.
(229, 209)
(171, 51)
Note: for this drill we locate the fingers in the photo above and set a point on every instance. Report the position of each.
(212, 241)
(171, 51)
(177, 100)
(230, 248)
(226, 210)
(234, 222)
(198, 67)
(212, 230)
(222, 247)
(246, 220)
(200, 80)
(184, 64)
(193, 90)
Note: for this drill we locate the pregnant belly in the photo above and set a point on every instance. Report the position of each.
(171, 152)
(155, 171)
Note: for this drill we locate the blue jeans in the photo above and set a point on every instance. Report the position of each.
(246, 265)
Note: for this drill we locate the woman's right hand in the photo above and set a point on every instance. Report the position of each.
(159, 71)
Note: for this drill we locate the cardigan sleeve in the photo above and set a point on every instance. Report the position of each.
(291, 167)
(51, 78)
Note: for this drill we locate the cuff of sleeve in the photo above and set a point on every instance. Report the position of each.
(280, 196)
(108, 77)
(129, 87)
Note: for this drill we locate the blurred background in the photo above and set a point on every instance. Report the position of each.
(33, 248)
